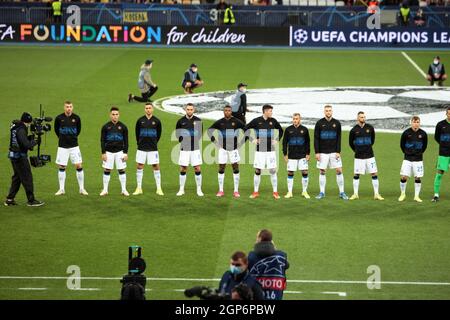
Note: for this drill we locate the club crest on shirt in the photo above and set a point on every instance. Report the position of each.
(301, 131)
(233, 124)
(367, 130)
(73, 120)
(334, 125)
(270, 123)
(153, 122)
(420, 136)
(119, 127)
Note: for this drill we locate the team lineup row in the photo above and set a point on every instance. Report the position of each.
(295, 144)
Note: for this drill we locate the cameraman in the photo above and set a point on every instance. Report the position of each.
(239, 274)
(18, 154)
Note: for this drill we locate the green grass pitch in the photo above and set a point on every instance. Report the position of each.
(192, 238)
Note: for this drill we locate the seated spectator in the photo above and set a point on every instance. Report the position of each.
(420, 19)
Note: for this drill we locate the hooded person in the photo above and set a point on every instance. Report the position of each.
(145, 83)
(268, 265)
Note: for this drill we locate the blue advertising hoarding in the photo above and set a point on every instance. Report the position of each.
(395, 37)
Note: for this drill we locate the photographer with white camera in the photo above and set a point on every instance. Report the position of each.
(18, 154)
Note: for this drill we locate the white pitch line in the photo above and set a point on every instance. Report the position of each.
(86, 289)
(340, 294)
(414, 64)
(417, 283)
(343, 294)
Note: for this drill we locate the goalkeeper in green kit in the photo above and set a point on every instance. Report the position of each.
(442, 136)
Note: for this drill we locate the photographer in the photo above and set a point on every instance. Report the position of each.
(18, 154)
(268, 265)
(239, 274)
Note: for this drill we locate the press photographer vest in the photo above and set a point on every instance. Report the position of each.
(270, 272)
(192, 75)
(436, 68)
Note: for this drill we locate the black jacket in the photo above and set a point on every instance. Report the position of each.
(228, 132)
(19, 144)
(114, 137)
(296, 142)
(413, 144)
(67, 130)
(265, 132)
(189, 133)
(148, 133)
(361, 140)
(442, 136)
(327, 136)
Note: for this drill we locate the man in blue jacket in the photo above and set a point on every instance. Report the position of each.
(238, 274)
(268, 265)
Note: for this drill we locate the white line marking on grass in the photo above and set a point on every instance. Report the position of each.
(414, 64)
(340, 294)
(293, 292)
(32, 289)
(415, 283)
(86, 289)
